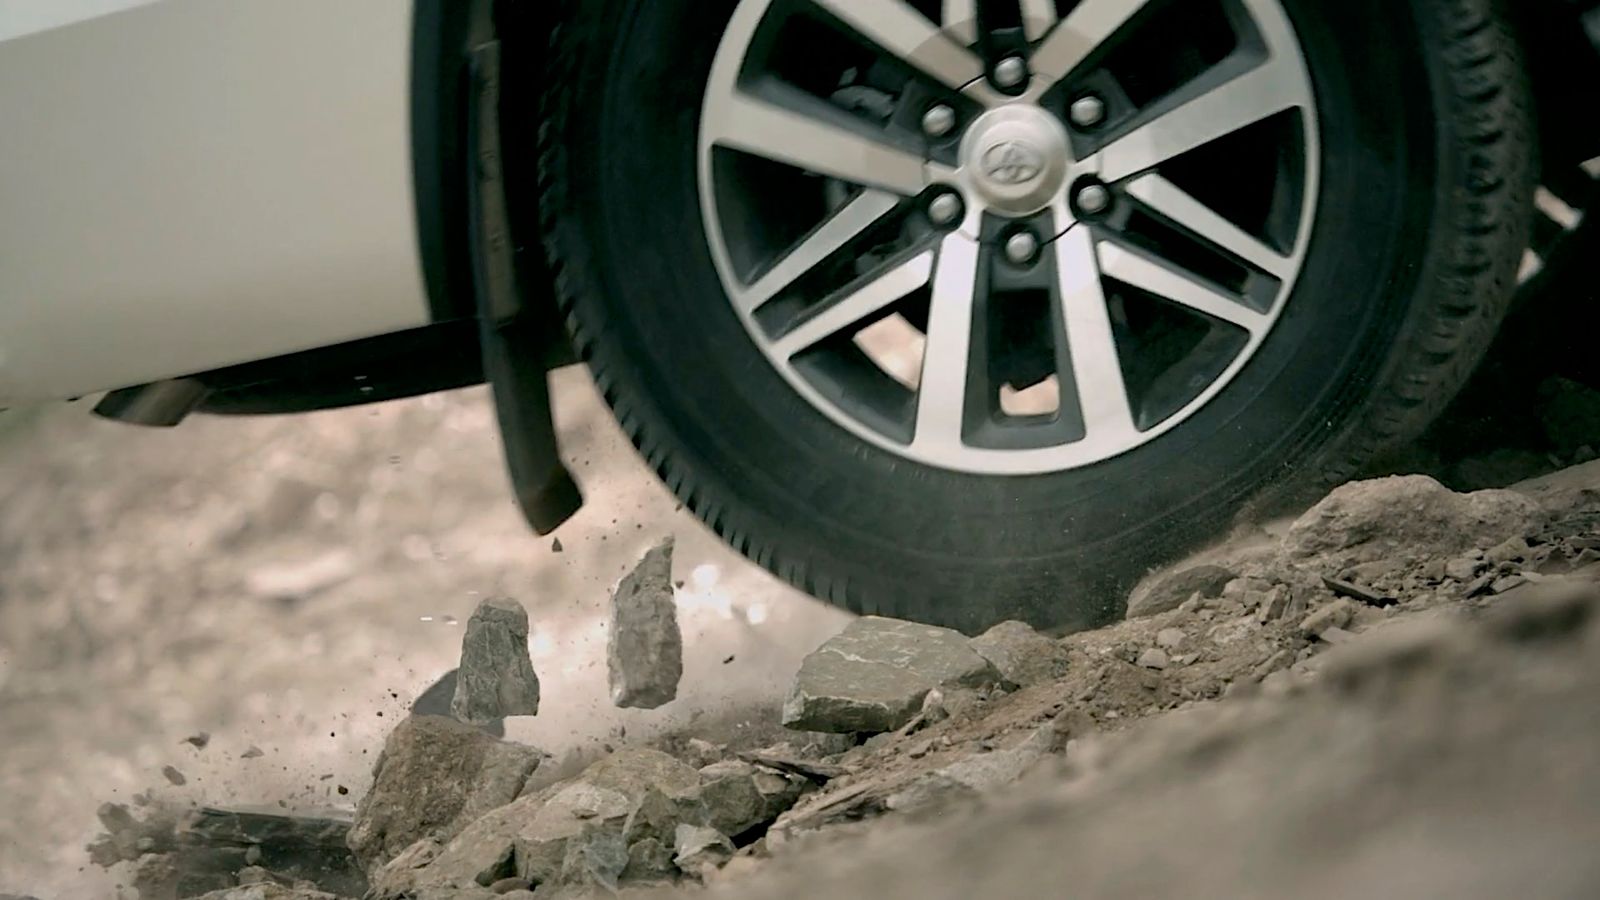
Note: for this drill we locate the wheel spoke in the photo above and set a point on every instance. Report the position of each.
(1146, 274)
(960, 21)
(1199, 118)
(1096, 367)
(1177, 205)
(1038, 17)
(1090, 24)
(839, 229)
(942, 391)
(747, 123)
(856, 302)
(904, 32)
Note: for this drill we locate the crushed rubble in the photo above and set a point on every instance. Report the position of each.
(496, 677)
(1022, 656)
(644, 648)
(1166, 590)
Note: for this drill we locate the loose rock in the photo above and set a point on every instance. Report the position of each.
(1165, 590)
(434, 777)
(1170, 638)
(644, 650)
(1023, 656)
(874, 675)
(496, 677)
(1462, 568)
(739, 796)
(1154, 658)
(1273, 604)
(1335, 615)
(699, 847)
(1408, 518)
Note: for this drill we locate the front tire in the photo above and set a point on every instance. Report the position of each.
(1420, 182)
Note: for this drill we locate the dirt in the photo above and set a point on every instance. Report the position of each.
(1325, 725)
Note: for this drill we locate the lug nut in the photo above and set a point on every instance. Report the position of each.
(1087, 111)
(944, 209)
(1010, 72)
(938, 120)
(1093, 198)
(1021, 247)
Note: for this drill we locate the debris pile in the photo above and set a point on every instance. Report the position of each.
(921, 717)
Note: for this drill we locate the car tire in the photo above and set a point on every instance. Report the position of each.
(1426, 173)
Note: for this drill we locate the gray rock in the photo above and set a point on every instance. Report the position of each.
(595, 859)
(529, 837)
(873, 676)
(697, 847)
(1170, 638)
(1164, 591)
(507, 885)
(1501, 585)
(1154, 658)
(1513, 549)
(435, 701)
(1407, 518)
(644, 650)
(649, 860)
(434, 776)
(496, 677)
(1273, 604)
(1335, 615)
(739, 796)
(1023, 657)
(977, 774)
(1462, 568)
(267, 891)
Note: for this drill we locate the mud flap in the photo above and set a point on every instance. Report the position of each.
(510, 334)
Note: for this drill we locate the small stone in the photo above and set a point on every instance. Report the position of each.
(1154, 658)
(644, 648)
(703, 752)
(254, 874)
(507, 885)
(1273, 604)
(496, 677)
(595, 858)
(1164, 591)
(1190, 606)
(1278, 660)
(1514, 549)
(555, 545)
(1463, 569)
(1335, 615)
(1334, 635)
(1432, 571)
(174, 776)
(1170, 638)
(875, 674)
(1501, 585)
(649, 860)
(252, 752)
(252, 854)
(697, 846)
(1225, 634)
(1023, 657)
(198, 741)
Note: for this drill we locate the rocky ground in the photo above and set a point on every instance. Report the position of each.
(1391, 694)
(209, 636)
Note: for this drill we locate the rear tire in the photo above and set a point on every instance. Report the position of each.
(1426, 177)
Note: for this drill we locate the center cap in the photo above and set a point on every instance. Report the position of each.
(1016, 158)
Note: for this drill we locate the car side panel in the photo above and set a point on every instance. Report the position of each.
(191, 184)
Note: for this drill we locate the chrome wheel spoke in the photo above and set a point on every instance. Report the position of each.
(960, 21)
(903, 32)
(1200, 115)
(826, 239)
(1145, 273)
(1090, 24)
(1175, 204)
(1096, 367)
(1038, 17)
(856, 302)
(942, 390)
(744, 122)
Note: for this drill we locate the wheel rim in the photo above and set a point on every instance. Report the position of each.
(992, 244)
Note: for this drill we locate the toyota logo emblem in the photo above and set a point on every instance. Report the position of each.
(1012, 162)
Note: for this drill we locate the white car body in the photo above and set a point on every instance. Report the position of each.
(191, 184)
